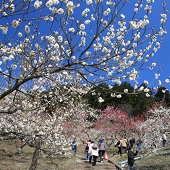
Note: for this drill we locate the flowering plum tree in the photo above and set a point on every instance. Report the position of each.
(35, 130)
(157, 123)
(51, 134)
(115, 121)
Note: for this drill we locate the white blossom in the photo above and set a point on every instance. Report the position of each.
(167, 81)
(159, 82)
(147, 95)
(125, 90)
(14, 66)
(49, 3)
(82, 26)
(100, 100)
(146, 82)
(60, 11)
(60, 39)
(163, 91)
(71, 29)
(15, 23)
(27, 29)
(122, 16)
(4, 29)
(37, 4)
(87, 22)
(98, 1)
(19, 34)
(119, 96)
(146, 90)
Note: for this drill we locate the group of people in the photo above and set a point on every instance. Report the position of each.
(128, 147)
(123, 145)
(93, 151)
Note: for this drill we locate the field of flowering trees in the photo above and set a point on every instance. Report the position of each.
(53, 52)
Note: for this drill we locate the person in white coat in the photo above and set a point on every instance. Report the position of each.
(89, 151)
(164, 139)
(94, 151)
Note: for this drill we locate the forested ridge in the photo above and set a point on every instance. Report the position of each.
(133, 104)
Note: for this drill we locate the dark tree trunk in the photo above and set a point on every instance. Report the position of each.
(35, 158)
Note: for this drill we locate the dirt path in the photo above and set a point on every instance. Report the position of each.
(105, 165)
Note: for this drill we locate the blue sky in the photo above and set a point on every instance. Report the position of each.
(163, 55)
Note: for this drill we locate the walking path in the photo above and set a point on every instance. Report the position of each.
(110, 164)
(105, 165)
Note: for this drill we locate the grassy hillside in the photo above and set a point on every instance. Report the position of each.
(13, 159)
(156, 160)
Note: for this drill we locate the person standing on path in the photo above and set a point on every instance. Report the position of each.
(74, 146)
(119, 145)
(102, 149)
(124, 145)
(94, 151)
(131, 159)
(85, 141)
(89, 156)
(139, 142)
(164, 139)
(87, 149)
(132, 142)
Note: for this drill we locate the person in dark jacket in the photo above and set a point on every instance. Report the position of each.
(132, 142)
(119, 146)
(131, 159)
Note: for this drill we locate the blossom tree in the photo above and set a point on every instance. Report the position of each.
(50, 134)
(116, 122)
(157, 123)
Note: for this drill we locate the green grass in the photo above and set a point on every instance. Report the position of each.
(155, 161)
(12, 158)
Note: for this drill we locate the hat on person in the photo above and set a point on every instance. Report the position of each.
(94, 146)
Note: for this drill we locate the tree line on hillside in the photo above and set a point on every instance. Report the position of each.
(133, 104)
